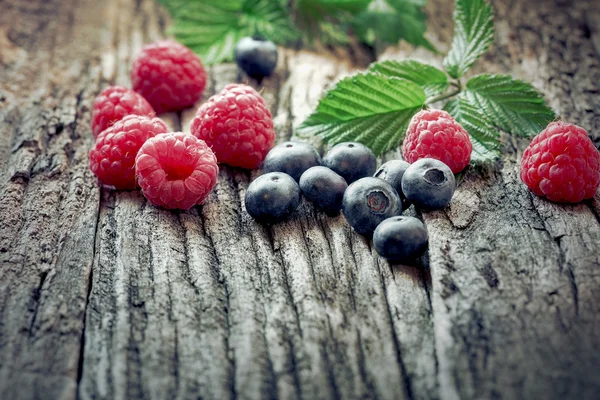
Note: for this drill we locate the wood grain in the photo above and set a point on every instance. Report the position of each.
(103, 296)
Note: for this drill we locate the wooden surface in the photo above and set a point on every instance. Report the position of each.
(103, 296)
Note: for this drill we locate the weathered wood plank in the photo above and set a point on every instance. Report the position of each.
(515, 283)
(208, 303)
(48, 197)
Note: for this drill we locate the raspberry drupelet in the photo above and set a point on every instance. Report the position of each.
(562, 164)
(169, 75)
(237, 125)
(435, 134)
(114, 103)
(176, 170)
(112, 158)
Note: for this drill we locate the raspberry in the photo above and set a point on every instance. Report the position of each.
(562, 164)
(112, 159)
(238, 126)
(114, 103)
(169, 75)
(176, 170)
(435, 134)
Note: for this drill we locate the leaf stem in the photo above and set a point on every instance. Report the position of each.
(443, 96)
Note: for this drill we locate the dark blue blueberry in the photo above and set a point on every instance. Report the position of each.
(429, 184)
(369, 201)
(351, 160)
(400, 239)
(392, 172)
(324, 188)
(293, 158)
(256, 56)
(272, 197)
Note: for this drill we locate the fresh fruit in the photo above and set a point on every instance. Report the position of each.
(369, 201)
(400, 239)
(324, 188)
(114, 103)
(562, 164)
(435, 134)
(169, 75)
(392, 172)
(293, 158)
(176, 170)
(429, 184)
(237, 125)
(256, 56)
(272, 197)
(351, 160)
(112, 158)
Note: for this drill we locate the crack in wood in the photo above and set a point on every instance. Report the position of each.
(90, 279)
(36, 294)
(329, 365)
(405, 376)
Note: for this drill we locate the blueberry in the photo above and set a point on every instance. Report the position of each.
(272, 197)
(256, 56)
(293, 158)
(429, 184)
(351, 160)
(400, 239)
(392, 172)
(369, 201)
(324, 188)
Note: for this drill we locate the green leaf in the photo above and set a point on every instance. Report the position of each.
(432, 80)
(512, 105)
(211, 28)
(329, 7)
(331, 34)
(484, 137)
(473, 34)
(369, 108)
(498, 102)
(389, 21)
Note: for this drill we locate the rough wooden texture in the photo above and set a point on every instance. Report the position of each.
(103, 296)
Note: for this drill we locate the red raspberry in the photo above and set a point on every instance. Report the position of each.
(562, 164)
(238, 126)
(435, 134)
(169, 75)
(176, 170)
(112, 159)
(115, 102)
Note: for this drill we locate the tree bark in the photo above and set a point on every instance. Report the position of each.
(103, 296)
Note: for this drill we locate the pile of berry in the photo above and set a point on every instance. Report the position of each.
(176, 170)
(371, 199)
(346, 180)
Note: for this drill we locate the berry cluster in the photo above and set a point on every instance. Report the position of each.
(371, 199)
(178, 170)
(347, 179)
(175, 170)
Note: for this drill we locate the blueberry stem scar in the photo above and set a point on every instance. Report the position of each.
(435, 176)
